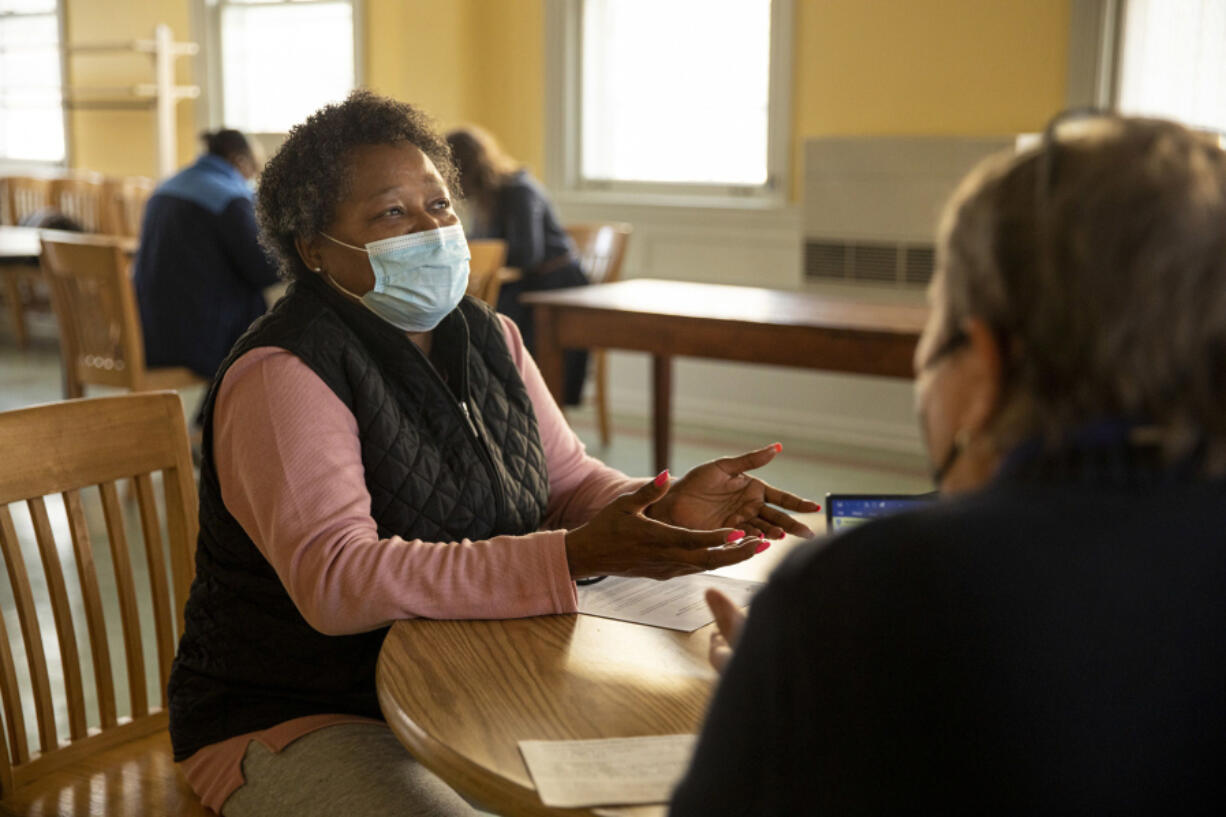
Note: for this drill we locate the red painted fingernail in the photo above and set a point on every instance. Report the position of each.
(763, 545)
(778, 447)
(735, 535)
(662, 478)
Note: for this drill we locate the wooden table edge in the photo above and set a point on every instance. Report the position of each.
(505, 797)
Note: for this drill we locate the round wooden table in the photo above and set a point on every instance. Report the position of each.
(462, 694)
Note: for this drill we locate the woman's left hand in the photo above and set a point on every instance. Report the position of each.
(719, 494)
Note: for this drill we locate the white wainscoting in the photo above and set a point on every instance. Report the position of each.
(749, 247)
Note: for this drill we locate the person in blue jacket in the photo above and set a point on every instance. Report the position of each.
(200, 272)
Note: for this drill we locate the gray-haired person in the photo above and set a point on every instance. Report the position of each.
(1050, 638)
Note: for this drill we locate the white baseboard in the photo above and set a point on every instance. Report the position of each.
(772, 422)
(870, 413)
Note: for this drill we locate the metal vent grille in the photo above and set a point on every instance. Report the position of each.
(869, 262)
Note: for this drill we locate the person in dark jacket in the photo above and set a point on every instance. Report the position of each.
(505, 202)
(379, 447)
(200, 273)
(1049, 638)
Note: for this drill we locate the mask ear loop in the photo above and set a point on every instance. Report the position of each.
(335, 282)
(343, 244)
(960, 443)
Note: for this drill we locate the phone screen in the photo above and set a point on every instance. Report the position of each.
(848, 510)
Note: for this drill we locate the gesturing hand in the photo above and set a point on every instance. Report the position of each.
(720, 494)
(729, 621)
(621, 541)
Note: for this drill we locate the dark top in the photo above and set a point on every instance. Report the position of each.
(450, 451)
(200, 272)
(524, 218)
(1053, 644)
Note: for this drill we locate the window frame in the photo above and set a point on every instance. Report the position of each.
(206, 19)
(9, 164)
(564, 122)
(1096, 53)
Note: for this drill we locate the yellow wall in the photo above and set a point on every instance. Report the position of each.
(476, 62)
(892, 67)
(122, 142)
(415, 52)
(509, 87)
(926, 67)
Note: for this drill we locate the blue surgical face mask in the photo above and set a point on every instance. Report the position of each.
(419, 278)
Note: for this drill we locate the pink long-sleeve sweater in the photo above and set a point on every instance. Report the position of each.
(289, 463)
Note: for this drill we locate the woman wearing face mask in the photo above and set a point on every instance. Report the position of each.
(1048, 639)
(379, 447)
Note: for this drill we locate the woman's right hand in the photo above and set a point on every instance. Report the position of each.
(620, 541)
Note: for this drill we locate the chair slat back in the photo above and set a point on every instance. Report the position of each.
(601, 247)
(83, 199)
(95, 306)
(83, 551)
(24, 195)
(126, 199)
(489, 256)
(125, 591)
(79, 450)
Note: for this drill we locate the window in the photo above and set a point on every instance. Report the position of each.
(676, 96)
(281, 60)
(1172, 61)
(31, 103)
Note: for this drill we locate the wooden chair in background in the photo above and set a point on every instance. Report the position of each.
(95, 306)
(83, 198)
(489, 256)
(23, 196)
(601, 247)
(125, 204)
(63, 452)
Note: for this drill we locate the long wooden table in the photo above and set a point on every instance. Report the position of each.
(674, 318)
(20, 248)
(462, 694)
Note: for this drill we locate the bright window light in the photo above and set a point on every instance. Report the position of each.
(676, 91)
(1173, 61)
(282, 61)
(31, 104)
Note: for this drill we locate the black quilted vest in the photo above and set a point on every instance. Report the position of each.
(247, 659)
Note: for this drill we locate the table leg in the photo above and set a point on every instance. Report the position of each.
(661, 408)
(549, 351)
(12, 293)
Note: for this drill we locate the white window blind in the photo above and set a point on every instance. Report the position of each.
(675, 91)
(1172, 61)
(31, 103)
(282, 60)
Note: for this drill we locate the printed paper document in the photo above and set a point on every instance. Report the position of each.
(677, 604)
(615, 771)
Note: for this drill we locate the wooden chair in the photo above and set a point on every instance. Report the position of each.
(24, 195)
(71, 455)
(125, 204)
(95, 306)
(489, 255)
(83, 199)
(601, 247)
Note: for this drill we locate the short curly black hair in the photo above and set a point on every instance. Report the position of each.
(302, 184)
